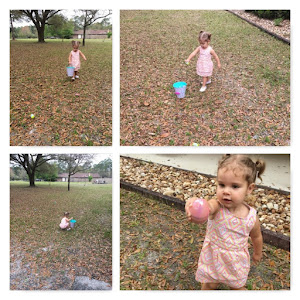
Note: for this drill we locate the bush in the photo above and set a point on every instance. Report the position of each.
(271, 14)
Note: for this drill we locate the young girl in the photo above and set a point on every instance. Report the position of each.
(204, 64)
(224, 256)
(65, 221)
(74, 58)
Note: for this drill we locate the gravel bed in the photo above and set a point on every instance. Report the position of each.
(273, 206)
(283, 30)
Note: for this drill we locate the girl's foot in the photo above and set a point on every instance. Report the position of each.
(77, 76)
(73, 78)
(203, 89)
(68, 229)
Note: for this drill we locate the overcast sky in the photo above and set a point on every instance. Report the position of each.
(69, 13)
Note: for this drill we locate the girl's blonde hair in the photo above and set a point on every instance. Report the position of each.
(204, 36)
(66, 213)
(75, 44)
(251, 169)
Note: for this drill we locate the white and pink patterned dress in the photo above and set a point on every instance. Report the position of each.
(64, 223)
(204, 63)
(75, 59)
(224, 256)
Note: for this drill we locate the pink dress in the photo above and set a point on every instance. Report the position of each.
(224, 256)
(64, 223)
(75, 59)
(204, 63)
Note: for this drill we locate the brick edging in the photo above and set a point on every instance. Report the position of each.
(262, 28)
(272, 238)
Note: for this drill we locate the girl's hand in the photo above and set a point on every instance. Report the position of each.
(256, 258)
(219, 66)
(187, 61)
(188, 204)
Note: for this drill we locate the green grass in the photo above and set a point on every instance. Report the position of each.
(35, 214)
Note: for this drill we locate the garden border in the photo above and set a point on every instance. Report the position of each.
(275, 239)
(262, 28)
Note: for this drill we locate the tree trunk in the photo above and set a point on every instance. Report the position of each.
(31, 179)
(83, 38)
(12, 29)
(69, 179)
(41, 34)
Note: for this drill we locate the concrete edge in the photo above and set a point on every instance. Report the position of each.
(209, 176)
(272, 238)
(263, 29)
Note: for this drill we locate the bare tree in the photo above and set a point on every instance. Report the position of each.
(91, 16)
(75, 163)
(39, 19)
(30, 163)
(14, 15)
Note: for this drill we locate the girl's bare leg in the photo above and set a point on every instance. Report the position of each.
(204, 81)
(209, 286)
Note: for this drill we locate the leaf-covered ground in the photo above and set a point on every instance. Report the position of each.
(159, 250)
(44, 257)
(66, 113)
(248, 102)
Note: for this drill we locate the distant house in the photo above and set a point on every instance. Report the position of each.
(91, 34)
(78, 177)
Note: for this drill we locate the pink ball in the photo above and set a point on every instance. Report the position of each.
(199, 211)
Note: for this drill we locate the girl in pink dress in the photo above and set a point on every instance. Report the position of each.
(204, 63)
(65, 221)
(224, 256)
(74, 58)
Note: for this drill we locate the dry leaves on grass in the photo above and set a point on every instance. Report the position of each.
(44, 257)
(66, 113)
(247, 103)
(159, 250)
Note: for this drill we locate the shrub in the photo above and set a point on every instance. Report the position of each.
(271, 14)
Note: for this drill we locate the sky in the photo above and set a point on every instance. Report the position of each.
(69, 13)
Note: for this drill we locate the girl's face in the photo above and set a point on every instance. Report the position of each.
(232, 187)
(75, 49)
(204, 44)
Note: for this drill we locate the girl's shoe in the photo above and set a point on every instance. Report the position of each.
(73, 78)
(68, 229)
(203, 89)
(208, 82)
(77, 76)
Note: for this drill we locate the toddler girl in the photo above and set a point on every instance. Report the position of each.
(65, 221)
(224, 256)
(204, 64)
(74, 58)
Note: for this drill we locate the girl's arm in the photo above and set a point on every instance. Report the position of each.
(257, 242)
(214, 54)
(213, 204)
(192, 55)
(70, 58)
(82, 55)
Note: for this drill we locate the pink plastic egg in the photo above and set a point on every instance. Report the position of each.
(199, 211)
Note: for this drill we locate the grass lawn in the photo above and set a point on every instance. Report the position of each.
(45, 257)
(159, 250)
(247, 104)
(66, 113)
